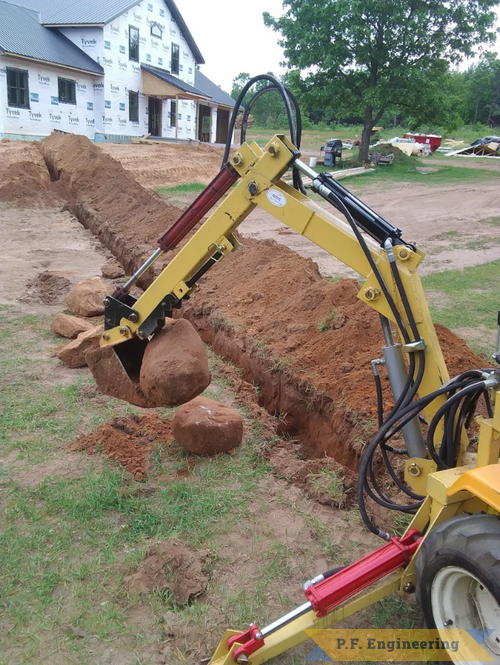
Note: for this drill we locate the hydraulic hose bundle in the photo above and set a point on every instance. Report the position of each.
(463, 392)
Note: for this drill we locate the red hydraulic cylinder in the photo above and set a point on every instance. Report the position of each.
(329, 593)
(200, 206)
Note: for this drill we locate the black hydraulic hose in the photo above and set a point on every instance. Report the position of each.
(297, 178)
(410, 411)
(241, 96)
(380, 400)
(345, 211)
(480, 385)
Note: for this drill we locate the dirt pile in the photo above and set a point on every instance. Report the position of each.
(167, 164)
(24, 180)
(171, 568)
(128, 439)
(306, 342)
(106, 199)
(48, 288)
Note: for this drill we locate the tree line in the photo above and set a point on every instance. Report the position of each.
(385, 62)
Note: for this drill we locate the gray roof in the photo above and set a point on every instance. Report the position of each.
(21, 33)
(212, 90)
(163, 75)
(99, 12)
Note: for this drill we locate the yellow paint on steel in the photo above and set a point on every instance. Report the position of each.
(261, 185)
(293, 633)
(482, 482)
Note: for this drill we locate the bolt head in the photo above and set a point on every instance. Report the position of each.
(106, 337)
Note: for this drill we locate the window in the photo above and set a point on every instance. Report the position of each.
(174, 64)
(67, 91)
(156, 30)
(133, 106)
(17, 88)
(133, 43)
(173, 113)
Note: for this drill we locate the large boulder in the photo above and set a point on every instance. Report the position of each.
(175, 366)
(69, 326)
(73, 354)
(206, 427)
(87, 297)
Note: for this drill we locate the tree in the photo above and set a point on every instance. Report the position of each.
(268, 110)
(482, 83)
(365, 56)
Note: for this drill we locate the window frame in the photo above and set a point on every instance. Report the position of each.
(173, 113)
(17, 102)
(172, 58)
(132, 28)
(159, 28)
(131, 94)
(72, 87)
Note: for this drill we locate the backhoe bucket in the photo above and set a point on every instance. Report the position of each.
(116, 371)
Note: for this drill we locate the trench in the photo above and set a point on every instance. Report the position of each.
(322, 423)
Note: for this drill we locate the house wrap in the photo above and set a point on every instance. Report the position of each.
(108, 70)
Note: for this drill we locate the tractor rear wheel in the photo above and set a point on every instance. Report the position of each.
(458, 573)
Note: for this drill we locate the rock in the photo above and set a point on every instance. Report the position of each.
(206, 427)
(4, 140)
(69, 326)
(87, 297)
(73, 354)
(175, 366)
(112, 269)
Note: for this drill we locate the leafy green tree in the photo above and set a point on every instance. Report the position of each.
(365, 56)
(482, 82)
(268, 110)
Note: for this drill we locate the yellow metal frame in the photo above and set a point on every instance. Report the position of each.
(450, 492)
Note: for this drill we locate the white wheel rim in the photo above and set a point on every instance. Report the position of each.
(460, 600)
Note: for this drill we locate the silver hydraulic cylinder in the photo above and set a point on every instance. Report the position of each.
(398, 375)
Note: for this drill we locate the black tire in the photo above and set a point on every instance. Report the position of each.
(461, 558)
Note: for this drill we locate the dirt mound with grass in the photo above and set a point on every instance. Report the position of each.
(106, 198)
(128, 439)
(173, 570)
(48, 288)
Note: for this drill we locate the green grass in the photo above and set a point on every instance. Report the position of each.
(314, 138)
(182, 189)
(467, 298)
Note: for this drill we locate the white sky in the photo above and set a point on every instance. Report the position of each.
(232, 37)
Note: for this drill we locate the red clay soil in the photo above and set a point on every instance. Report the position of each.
(306, 342)
(128, 439)
(127, 218)
(24, 179)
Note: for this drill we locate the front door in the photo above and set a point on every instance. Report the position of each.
(154, 114)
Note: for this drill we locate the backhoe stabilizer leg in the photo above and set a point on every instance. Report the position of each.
(255, 646)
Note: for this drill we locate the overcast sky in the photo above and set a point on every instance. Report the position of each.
(232, 37)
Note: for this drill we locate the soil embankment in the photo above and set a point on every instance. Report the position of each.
(305, 342)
